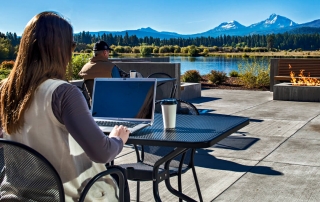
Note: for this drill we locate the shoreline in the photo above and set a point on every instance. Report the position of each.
(280, 54)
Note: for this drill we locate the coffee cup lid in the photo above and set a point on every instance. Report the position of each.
(168, 101)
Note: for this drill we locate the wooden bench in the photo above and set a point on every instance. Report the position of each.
(280, 72)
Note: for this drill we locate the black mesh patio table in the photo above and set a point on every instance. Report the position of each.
(191, 132)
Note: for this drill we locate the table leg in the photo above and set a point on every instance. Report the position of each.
(170, 188)
(167, 159)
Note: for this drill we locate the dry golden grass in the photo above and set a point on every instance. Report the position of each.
(270, 54)
(302, 54)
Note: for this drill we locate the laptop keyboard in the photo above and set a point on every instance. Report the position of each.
(113, 123)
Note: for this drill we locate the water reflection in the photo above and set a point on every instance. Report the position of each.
(191, 59)
(205, 64)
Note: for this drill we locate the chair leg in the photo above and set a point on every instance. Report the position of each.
(138, 191)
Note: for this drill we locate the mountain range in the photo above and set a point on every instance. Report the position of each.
(273, 24)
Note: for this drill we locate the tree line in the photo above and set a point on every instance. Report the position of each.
(9, 42)
(283, 41)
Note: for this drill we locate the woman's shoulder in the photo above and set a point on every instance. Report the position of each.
(66, 87)
(50, 84)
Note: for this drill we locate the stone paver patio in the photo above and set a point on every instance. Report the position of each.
(275, 158)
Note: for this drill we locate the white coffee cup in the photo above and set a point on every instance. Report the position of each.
(169, 111)
(133, 74)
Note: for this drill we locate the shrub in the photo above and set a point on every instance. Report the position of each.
(240, 49)
(263, 79)
(119, 49)
(5, 69)
(164, 49)
(136, 49)
(156, 49)
(227, 49)
(255, 74)
(234, 73)
(171, 49)
(78, 61)
(113, 53)
(217, 77)
(177, 49)
(192, 76)
(81, 47)
(192, 50)
(184, 50)
(205, 51)
(247, 49)
(4, 73)
(145, 50)
(201, 48)
(215, 48)
(127, 49)
(7, 64)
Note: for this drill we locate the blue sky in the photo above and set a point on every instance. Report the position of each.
(180, 16)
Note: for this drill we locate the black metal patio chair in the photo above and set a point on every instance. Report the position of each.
(28, 176)
(83, 89)
(162, 88)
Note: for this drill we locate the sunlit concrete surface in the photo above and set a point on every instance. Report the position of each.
(274, 158)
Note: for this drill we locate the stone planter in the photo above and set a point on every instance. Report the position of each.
(190, 90)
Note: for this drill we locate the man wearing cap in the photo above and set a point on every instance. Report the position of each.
(99, 66)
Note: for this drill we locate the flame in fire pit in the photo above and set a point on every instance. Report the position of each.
(303, 80)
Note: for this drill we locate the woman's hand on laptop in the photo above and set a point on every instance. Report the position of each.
(120, 131)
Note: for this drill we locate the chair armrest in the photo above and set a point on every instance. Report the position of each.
(111, 170)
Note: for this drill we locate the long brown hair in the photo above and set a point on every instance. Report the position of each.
(44, 52)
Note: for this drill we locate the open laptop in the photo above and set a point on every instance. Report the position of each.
(123, 101)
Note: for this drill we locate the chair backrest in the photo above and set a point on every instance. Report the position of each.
(85, 94)
(119, 73)
(28, 176)
(159, 75)
(111, 170)
(88, 86)
(151, 154)
(164, 90)
(183, 107)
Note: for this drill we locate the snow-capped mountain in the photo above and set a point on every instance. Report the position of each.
(226, 26)
(273, 22)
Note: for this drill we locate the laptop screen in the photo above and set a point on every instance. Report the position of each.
(124, 98)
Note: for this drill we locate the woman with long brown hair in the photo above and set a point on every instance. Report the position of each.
(40, 109)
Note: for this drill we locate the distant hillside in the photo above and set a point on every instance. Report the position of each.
(305, 30)
(141, 33)
(273, 24)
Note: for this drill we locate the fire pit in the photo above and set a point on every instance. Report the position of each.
(301, 88)
(290, 92)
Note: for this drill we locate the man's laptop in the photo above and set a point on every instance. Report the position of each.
(123, 101)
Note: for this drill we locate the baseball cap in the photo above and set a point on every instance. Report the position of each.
(101, 45)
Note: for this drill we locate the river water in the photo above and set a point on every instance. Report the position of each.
(219, 63)
(205, 64)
